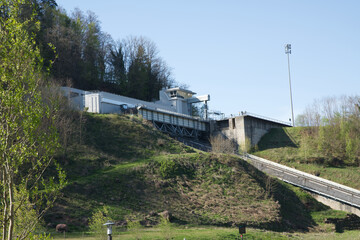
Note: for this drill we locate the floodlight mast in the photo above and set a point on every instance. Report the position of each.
(288, 51)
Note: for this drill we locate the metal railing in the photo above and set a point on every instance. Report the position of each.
(307, 181)
(266, 118)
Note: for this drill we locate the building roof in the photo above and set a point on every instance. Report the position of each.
(181, 90)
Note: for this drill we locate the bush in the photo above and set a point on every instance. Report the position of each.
(220, 144)
(335, 133)
(170, 168)
(96, 222)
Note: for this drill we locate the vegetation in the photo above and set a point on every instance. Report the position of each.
(89, 59)
(326, 144)
(293, 147)
(120, 167)
(332, 128)
(220, 233)
(127, 171)
(220, 144)
(27, 133)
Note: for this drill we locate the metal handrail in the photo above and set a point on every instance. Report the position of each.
(330, 184)
(266, 118)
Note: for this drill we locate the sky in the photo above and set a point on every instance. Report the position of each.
(234, 49)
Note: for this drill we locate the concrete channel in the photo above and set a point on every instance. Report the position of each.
(335, 195)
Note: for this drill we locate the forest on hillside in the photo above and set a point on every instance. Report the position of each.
(79, 54)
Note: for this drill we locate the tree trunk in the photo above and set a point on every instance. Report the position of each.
(11, 207)
(4, 224)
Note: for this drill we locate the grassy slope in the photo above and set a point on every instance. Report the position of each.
(286, 146)
(134, 171)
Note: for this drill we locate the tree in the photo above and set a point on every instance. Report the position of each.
(28, 137)
(333, 128)
(117, 71)
(146, 71)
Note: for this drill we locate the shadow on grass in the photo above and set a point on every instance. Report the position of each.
(293, 212)
(277, 138)
(128, 192)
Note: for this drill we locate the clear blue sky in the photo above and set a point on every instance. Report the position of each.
(234, 49)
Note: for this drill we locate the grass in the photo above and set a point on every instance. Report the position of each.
(204, 233)
(199, 233)
(125, 165)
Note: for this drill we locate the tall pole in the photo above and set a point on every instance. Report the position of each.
(288, 51)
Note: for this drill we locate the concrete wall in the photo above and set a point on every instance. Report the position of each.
(335, 195)
(335, 204)
(244, 128)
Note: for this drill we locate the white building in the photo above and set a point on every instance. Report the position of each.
(176, 100)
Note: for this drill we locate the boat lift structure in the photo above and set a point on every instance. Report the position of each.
(170, 114)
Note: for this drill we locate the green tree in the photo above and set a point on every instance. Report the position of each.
(117, 71)
(28, 137)
(97, 220)
(146, 71)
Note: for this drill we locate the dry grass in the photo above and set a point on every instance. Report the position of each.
(221, 144)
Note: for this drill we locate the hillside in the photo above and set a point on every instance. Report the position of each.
(292, 147)
(130, 171)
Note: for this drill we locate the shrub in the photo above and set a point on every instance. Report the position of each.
(170, 168)
(96, 222)
(220, 144)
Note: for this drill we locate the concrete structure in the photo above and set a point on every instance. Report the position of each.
(171, 114)
(175, 100)
(175, 124)
(246, 127)
(330, 193)
(337, 205)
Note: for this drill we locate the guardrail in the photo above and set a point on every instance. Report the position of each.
(266, 118)
(307, 181)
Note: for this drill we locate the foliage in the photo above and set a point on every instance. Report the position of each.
(28, 138)
(221, 144)
(96, 222)
(170, 168)
(336, 130)
(111, 168)
(298, 147)
(198, 110)
(43, 236)
(92, 60)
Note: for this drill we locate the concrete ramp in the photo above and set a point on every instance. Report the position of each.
(328, 190)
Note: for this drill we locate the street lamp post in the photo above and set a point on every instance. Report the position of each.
(109, 225)
(288, 51)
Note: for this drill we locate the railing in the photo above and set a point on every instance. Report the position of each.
(307, 181)
(266, 118)
(254, 115)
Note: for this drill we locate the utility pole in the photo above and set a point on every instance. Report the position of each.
(288, 51)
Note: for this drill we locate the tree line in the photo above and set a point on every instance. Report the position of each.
(332, 128)
(88, 58)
